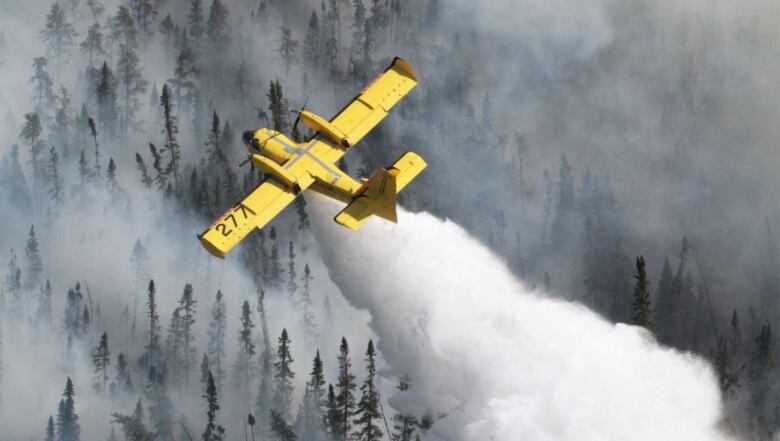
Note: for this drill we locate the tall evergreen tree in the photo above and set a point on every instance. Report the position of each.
(133, 426)
(368, 413)
(292, 282)
(34, 265)
(32, 132)
(283, 376)
(56, 192)
(92, 45)
(101, 361)
(171, 130)
(58, 34)
(246, 351)
(50, 430)
(106, 101)
(277, 105)
(197, 23)
(345, 399)
(216, 341)
(643, 309)
(44, 312)
(213, 432)
(280, 427)
(43, 86)
(68, 428)
(151, 358)
(187, 307)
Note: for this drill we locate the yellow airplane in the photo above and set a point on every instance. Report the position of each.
(291, 167)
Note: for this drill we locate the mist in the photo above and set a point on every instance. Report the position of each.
(563, 139)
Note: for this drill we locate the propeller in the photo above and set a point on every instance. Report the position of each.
(298, 118)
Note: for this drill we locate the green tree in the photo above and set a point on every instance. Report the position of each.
(34, 264)
(68, 428)
(643, 309)
(43, 86)
(101, 361)
(283, 376)
(106, 102)
(133, 425)
(171, 130)
(345, 399)
(213, 432)
(216, 337)
(93, 43)
(58, 34)
(280, 427)
(243, 366)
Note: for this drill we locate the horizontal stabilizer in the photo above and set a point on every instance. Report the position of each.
(378, 196)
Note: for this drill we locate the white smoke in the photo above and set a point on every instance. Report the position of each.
(490, 359)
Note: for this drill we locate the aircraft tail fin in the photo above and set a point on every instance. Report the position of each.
(378, 196)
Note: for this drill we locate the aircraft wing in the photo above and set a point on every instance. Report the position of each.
(370, 107)
(256, 210)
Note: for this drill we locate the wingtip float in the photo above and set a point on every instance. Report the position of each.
(291, 167)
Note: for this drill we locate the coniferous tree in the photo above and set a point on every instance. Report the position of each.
(161, 406)
(205, 369)
(280, 427)
(151, 358)
(34, 265)
(306, 303)
(246, 351)
(50, 430)
(275, 270)
(217, 26)
(368, 414)
(73, 311)
(197, 23)
(101, 360)
(311, 44)
(43, 86)
(292, 282)
(283, 376)
(345, 399)
(106, 102)
(122, 378)
(213, 432)
(13, 285)
(129, 71)
(311, 415)
(32, 132)
(169, 29)
(68, 428)
(93, 43)
(171, 144)
(58, 34)
(184, 76)
(216, 341)
(333, 419)
(287, 48)
(133, 426)
(60, 129)
(44, 313)
(55, 181)
(187, 312)
(643, 310)
(12, 179)
(277, 106)
(303, 217)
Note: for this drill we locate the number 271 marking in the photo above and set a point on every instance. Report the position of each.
(223, 228)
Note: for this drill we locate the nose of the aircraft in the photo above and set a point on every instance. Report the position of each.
(248, 135)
